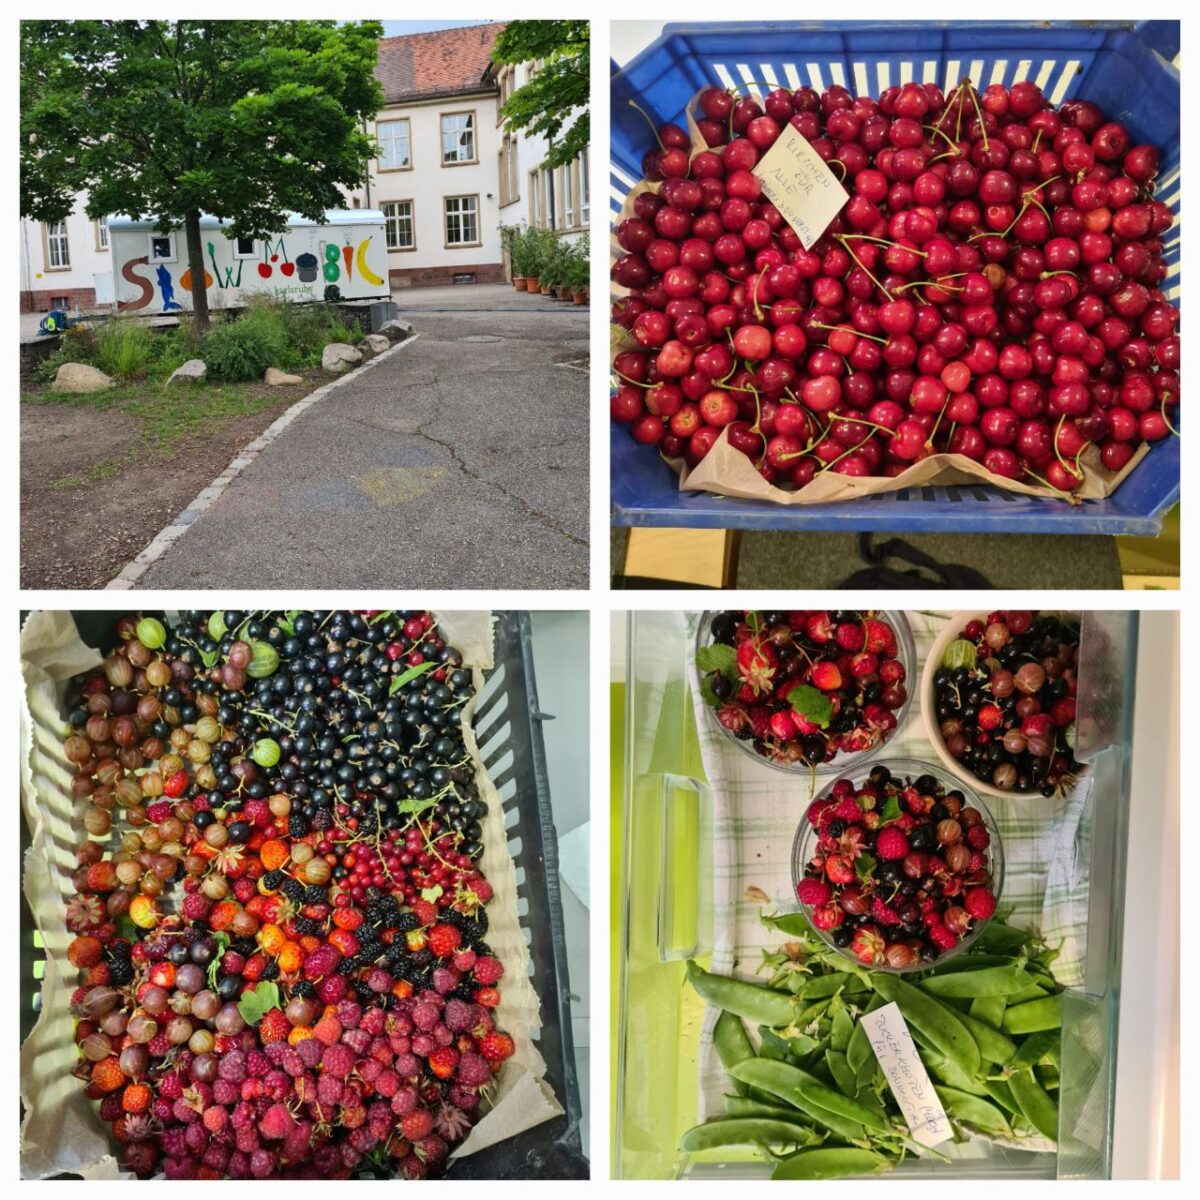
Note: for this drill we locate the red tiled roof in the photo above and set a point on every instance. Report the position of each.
(442, 63)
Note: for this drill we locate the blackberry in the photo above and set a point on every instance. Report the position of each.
(308, 925)
(271, 971)
(836, 827)
(120, 972)
(407, 922)
(244, 946)
(371, 951)
(303, 987)
(452, 916)
(294, 891)
(423, 957)
(315, 894)
(409, 970)
(322, 819)
(363, 992)
(395, 954)
(297, 825)
(273, 880)
(347, 967)
(482, 949)
(463, 992)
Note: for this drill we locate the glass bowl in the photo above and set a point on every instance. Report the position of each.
(805, 845)
(842, 761)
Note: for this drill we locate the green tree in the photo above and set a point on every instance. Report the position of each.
(165, 120)
(560, 87)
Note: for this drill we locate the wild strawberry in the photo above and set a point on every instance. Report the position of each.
(868, 946)
(850, 636)
(488, 970)
(496, 1046)
(1038, 724)
(348, 918)
(864, 664)
(756, 664)
(891, 671)
(839, 869)
(891, 844)
(274, 1027)
(782, 726)
(107, 1075)
(136, 1098)
(980, 903)
(848, 809)
(344, 941)
(828, 916)
(989, 717)
(443, 1061)
(444, 940)
(85, 952)
(489, 997)
(100, 974)
(813, 892)
(978, 837)
(884, 913)
(416, 1124)
(819, 627)
(942, 937)
(880, 637)
(826, 676)
(163, 975)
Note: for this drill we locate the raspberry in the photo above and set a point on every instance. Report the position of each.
(232, 1066)
(979, 902)
(488, 970)
(891, 844)
(416, 1124)
(884, 913)
(170, 1086)
(349, 1013)
(257, 812)
(322, 961)
(159, 811)
(473, 1070)
(942, 937)
(496, 1047)
(849, 810)
(338, 1061)
(257, 1064)
(444, 940)
(214, 1118)
(327, 1030)
(978, 837)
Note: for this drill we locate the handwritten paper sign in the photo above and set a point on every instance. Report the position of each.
(796, 180)
(906, 1076)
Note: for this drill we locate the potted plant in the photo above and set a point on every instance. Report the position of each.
(515, 239)
(548, 276)
(580, 270)
(533, 253)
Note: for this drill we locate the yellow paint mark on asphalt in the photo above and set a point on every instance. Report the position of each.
(390, 486)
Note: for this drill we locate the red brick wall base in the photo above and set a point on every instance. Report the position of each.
(39, 301)
(438, 276)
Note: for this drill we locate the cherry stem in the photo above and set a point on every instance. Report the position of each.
(978, 114)
(1166, 419)
(869, 424)
(870, 336)
(653, 127)
(1069, 497)
(841, 238)
(844, 453)
(626, 378)
(1037, 137)
(949, 141)
(1071, 470)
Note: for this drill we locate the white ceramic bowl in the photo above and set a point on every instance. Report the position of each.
(933, 732)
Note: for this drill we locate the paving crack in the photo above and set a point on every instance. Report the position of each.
(460, 462)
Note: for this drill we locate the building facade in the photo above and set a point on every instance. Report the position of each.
(447, 176)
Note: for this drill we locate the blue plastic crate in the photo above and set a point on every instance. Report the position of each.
(1124, 66)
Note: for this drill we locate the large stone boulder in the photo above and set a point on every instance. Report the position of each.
(192, 371)
(396, 330)
(337, 358)
(375, 343)
(80, 377)
(274, 377)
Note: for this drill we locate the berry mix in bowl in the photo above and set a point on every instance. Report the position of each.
(897, 865)
(998, 700)
(992, 288)
(806, 690)
(278, 914)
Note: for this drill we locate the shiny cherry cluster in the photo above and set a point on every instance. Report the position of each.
(992, 288)
(901, 872)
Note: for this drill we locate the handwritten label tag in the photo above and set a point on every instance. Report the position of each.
(796, 180)
(906, 1076)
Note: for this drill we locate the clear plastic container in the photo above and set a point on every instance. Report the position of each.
(906, 653)
(805, 845)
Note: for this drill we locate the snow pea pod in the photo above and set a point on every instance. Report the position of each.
(743, 1106)
(819, 986)
(858, 1052)
(786, 1081)
(937, 1022)
(732, 1042)
(1039, 1108)
(840, 1072)
(830, 1162)
(847, 1106)
(988, 1009)
(973, 1110)
(1001, 1093)
(743, 1131)
(1049, 1078)
(842, 1031)
(1034, 991)
(762, 1005)
(987, 981)
(1034, 1015)
(997, 936)
(994, 1047)
(1034, 1049)
(952, 1076)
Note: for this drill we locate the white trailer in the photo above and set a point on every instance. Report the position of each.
(348, 248)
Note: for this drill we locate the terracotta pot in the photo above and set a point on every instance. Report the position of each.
(563, 293)
(531, 284)
(579, 298)
(519, 282)
(545, 290)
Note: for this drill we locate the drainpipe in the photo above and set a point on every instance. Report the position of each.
(550, 188)
(28, 263)
(368, 183)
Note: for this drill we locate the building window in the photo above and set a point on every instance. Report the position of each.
(395, 152)
(458, 138)
(568, 197)
(398, 216)
(510, 190)
(462, 220)
(585, 208)
(161, 247)
(101, 225)
(244, 248)
(58, 252)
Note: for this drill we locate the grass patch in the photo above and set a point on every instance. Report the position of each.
(105, 469)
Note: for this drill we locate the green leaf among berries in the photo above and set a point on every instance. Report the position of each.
(891, 811)
(214, 967)
(864, 867)
(432, 893)
(707, 694)
(811, 704)
(409, 675)
(717, 657)
(255, 1004)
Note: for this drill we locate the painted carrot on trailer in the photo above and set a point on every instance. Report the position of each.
(348, 255)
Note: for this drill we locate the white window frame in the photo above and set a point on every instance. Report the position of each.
(244, 255)
(461, 213)
(585, 206)
(56, 234)
(389, 218)
(568, 196)
(470, 127)
(101, 226)
(151, 257)
(389, 142)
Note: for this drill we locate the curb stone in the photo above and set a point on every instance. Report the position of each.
(162, 541)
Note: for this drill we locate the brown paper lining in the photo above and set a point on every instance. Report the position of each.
(725, 471)
(61, 1131)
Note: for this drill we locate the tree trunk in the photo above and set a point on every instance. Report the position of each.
(195, 256)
